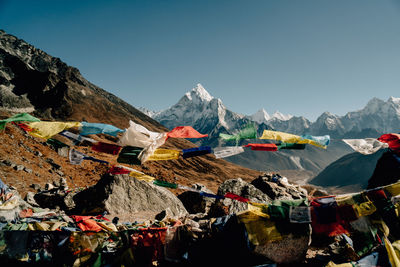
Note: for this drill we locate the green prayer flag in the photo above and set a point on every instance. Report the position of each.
(249, 132)
(56, 144)
(18, 117)
(165, 184)
(291, 146)
(129, 155)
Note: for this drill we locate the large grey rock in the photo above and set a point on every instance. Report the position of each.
(290, 249)
(243, 189)
(278, 189)
(121, 194)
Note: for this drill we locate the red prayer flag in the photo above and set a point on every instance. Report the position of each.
(106, 148)
(236, 197)
(263, 147)
(23, 126)
(118, 170)
(185, 132)
(392, 139)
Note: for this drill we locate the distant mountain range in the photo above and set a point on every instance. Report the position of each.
(207, 113)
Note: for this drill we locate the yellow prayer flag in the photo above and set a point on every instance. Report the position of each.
(260, 229)
(394, 260)
(164, 154)
(141, 176)
(288, 138)
(47, 129)
(393, 189)
(364, 209)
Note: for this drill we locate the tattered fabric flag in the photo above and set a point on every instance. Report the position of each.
(291, 146)
(393, 257)
(236, 197)
(185, 132)
(290, 138)
(99, 128)
(392, 139)
(260, 229)
(18, 117)
(299, 214)
(323, 140)
(165, 184)
(23, 126)
(56, 144)
(228, 151)
(47, 129)
(249, 132)
(118, 170)
(106, 148)
(141, 176)
(138, 136)
(196, 151)
(262, 147)
(164, 154)
(130, 155)
(365, 146)
(76, 157)
(204, 194)
(76, 137)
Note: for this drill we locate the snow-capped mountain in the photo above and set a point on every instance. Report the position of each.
(202, 111)
(262, 116)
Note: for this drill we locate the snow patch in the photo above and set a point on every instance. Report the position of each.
(296, 161)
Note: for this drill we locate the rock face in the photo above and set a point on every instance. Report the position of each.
(194, 202)
(277, 187)
(288, 250)
(243, 189)
(121, 194)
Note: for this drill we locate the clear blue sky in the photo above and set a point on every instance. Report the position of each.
(298, 57)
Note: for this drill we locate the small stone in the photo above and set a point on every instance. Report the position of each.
(38, 153)
(28, 170)
(8, 163)
(30, 199)
(35, 186)
(60, 173)
(19, 167)
(48, 186)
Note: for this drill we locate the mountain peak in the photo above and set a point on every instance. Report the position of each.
(199, 92)
(278, 115)
(260, 116)
(395, 100)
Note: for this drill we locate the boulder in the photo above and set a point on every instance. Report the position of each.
(278, 188)
(292, 248)
(194, 202)
(122, 194)
(244, 189)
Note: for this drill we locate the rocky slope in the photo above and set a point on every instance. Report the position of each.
(31, 80)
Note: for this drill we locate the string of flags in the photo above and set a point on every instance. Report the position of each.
(137, 144)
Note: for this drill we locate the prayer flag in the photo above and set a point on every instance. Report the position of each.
(236, 197)
(47, 129)
(76, 157)
(99, 128)
(223, 152)
(165, 184)
(185, 132)
(300, 214)
(118, 170)
(16, 118)
(106, 148)
(392, 139)
(130, 155)
(292, 138)
(76, 137)
(196, 151)
(262, 147)
(291, 146)
(164, 154)
(249, 132)
(365, 146)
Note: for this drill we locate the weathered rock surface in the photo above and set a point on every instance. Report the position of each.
(120, 194)
(288, 250)
(277, 188)
(244, 189)
(194, 202)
